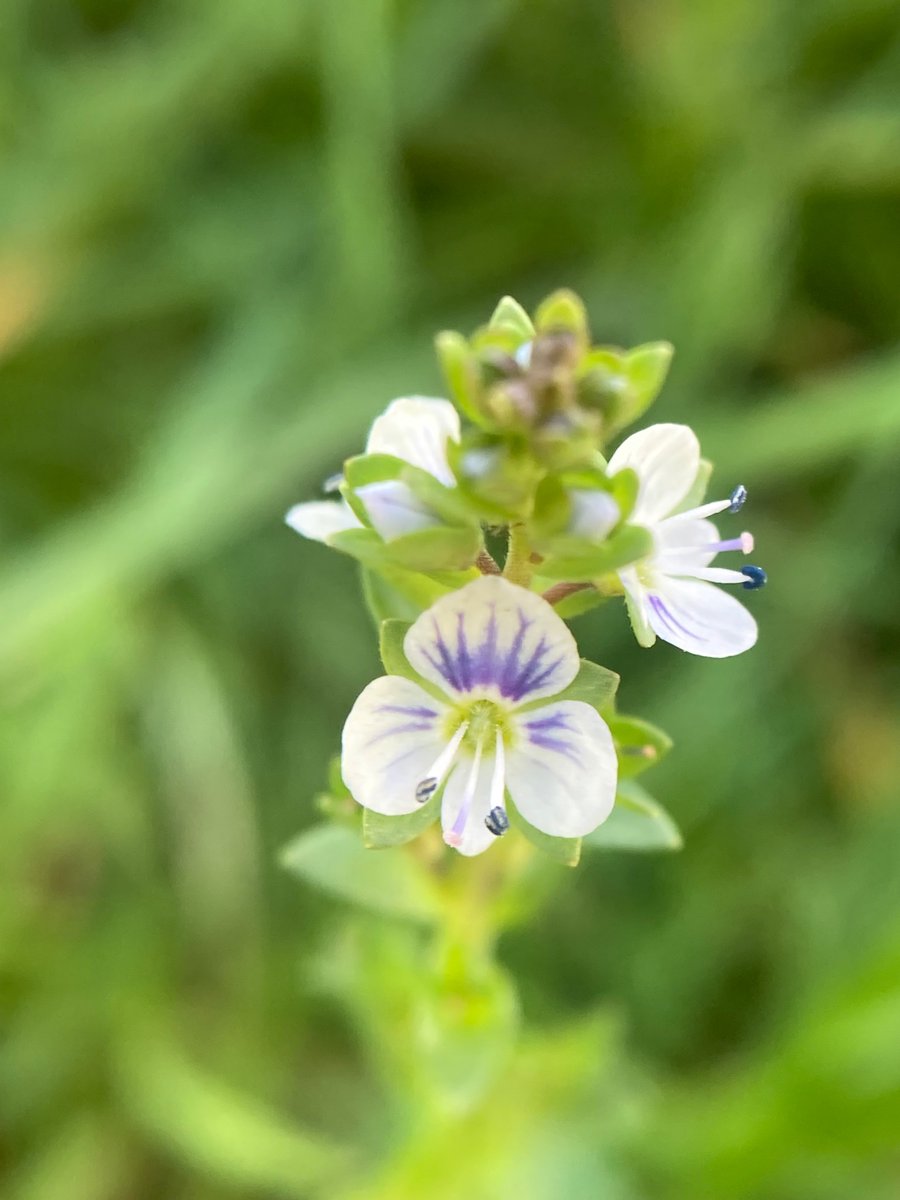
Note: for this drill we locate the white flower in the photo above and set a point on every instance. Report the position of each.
(670, 593)
(492, 649)
(415, 429)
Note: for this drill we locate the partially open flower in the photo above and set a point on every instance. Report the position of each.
(496, 658)
(415, 429)
(670, 593)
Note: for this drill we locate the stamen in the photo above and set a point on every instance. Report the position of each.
(441, 765)
(756, 578)
(453, 837)
(738, 499)
(497, 821)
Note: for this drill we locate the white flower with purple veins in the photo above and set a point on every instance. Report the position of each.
(414, 428)
(670, 593)
(494, 656)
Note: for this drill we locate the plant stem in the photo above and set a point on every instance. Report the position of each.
(560, 591)
(485, 563)
(518, 567)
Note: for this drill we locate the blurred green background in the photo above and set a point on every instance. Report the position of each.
(229, 231)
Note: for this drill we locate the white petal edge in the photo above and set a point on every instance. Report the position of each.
(472, 643)
(666, 459)
(700, 618)
(417, 429)
(395, 510)
(561, 772)
(389, 745)
(321, 519)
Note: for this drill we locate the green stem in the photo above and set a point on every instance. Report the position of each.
(519, 567)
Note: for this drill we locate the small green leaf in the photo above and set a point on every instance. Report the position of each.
(390, 645)
(393, 592)
(462, 372)
(627, 545)
(562, 310)
(561, 850)
(638, 743)
(647, 368)
(637, 822)
(372, 468)
(441, 548)
(336, 785)
(578, 603)
(380, 831)
(334, 859)
(448, 502)
(510, 314)
(593, 684)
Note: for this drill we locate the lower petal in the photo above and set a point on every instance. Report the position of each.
(561, 772)
(701, 618)
(390, 742)
(320, 519)
(395, 510)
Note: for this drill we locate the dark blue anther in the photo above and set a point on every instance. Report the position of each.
(738, 500)
(426, 789)
(756, 578)
(497, 821)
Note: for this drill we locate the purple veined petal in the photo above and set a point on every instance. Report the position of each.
(700, 618)
(493, 640)
(321, 519)
(561, 771)
(394, 509)
(465, 804)
(666, 459)
(390, 742)
(417, 429)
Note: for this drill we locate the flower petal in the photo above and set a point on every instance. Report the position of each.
(684, 543)
(561, 772)
(320, 519)
(666, 459)
(417, 429)
(700, 618)
(475, 836)
(390, 742)
(394, 509)
(594, 514)
(495, 640)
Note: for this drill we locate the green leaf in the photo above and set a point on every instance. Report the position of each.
(462, 372)
(639, 744)
(390, 646)
(561, 850)
(334, 859)
(647, 367)
(510, 314)
(380, 831)
(562, 310)
(593, 684)
(394, 592)
(441, 548)
(627, 545)
(637, 822)
(578, 603)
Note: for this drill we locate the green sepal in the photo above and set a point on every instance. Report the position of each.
(509, 314)
(562, 850)
(576, 559)
(697, 494)
(503, 488)
(562, 310)
(639, 744)
(594, 685)
(624, 383)
(391, 636)
(637, 822)
(336, 785)
(578, 603)
(371, 468)
(391, 591)
(334, 859)
(624, 486)
(463, 374)
(443, 548)
(647, 367)
(381, 832)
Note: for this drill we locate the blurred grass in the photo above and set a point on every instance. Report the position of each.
(227, 233)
